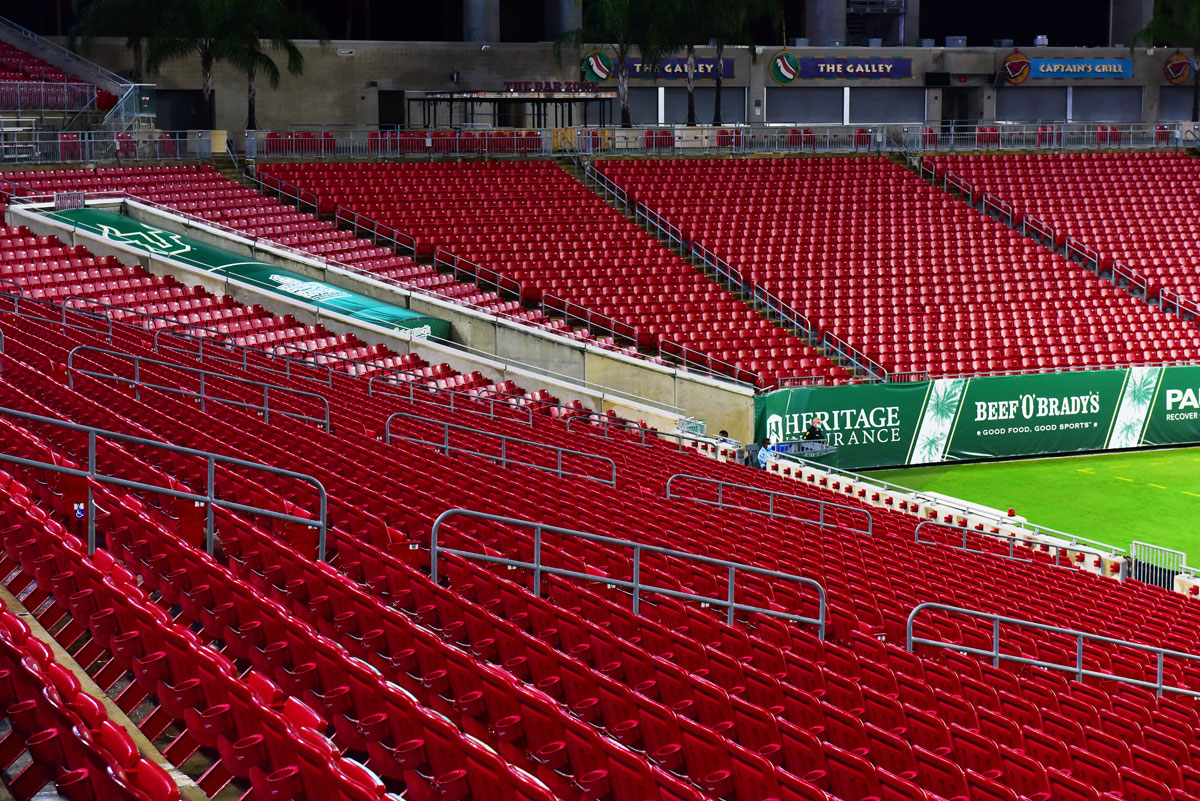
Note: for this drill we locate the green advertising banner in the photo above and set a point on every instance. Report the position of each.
(884, 425)
(216, 261)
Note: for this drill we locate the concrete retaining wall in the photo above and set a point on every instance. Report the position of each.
(499, 350)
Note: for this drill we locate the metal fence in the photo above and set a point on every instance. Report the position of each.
(68, 147)
(1081, 638)
(1056, 136)
(46, 96)
(697, 140)
(209, 498)
(503, 457)
(1153, 564)
(636, 586)
(720, 501)
(374, 143)
(204, 392)
(1058, 551)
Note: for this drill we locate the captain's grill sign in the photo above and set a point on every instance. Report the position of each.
(841, 427)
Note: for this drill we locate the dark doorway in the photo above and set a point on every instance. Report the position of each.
(391, 108)
(962, 104)
(181, 109)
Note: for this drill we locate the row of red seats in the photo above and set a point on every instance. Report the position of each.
(1125, 205)
(927, 713)
(63, 732)
(823, 254)
(546, 262)
(205, 193)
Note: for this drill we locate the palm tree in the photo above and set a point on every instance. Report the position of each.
(730, 22)
(262, 26)
(624, 26)
(1176, 23)
(723, 22)
(232, 31)
(136, 20)
(689, 26)
(197, 28)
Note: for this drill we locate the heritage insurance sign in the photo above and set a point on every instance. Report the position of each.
(881, 425)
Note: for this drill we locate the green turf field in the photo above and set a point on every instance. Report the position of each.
(1152, 496)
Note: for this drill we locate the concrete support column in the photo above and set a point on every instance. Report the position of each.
(933, 106)
(1127, 17)
(481, 20)
(911, 23)
(562, 16)
(825, 21)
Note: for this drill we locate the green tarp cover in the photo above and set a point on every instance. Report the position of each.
(276, 280)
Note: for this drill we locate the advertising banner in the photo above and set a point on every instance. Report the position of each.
(1018, 68)
(216, 261)
(599, 66)
(786, 67)
(882, 425)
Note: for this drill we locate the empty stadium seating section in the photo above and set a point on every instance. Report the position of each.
(533, 222)
(288, 677)
(1125, 205)
(204, 193)
(44, 269)
(27, 82)
(910, 275)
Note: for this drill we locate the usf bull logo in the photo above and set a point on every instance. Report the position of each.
(1016, 68)
(154, 240)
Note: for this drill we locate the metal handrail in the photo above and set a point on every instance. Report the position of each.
(636, 587)
(208, 498)
(731, 275)
(643, 214)
(482, 277)
(770, 510)
(593, 319)
(1080, 637)
(204, 395)
(503, 458)
(354, 367)
(245, 350)
(1012, 539)
(76, 61)
(606, 423)
(607, 186)
(414, 387)
(710, 365)
(283, 189)
(376, 229)
(949, 503)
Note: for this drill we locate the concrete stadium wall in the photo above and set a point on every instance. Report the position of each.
(601, 380)
(342, 79)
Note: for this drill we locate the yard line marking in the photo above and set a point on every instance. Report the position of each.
(1194, 495)
(1156, 486)
(1087, 470)
(1122, 478)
